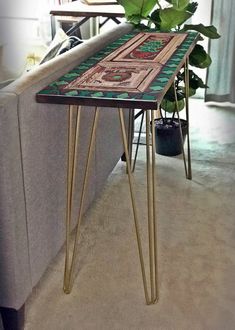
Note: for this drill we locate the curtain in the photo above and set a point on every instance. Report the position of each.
(221, 73)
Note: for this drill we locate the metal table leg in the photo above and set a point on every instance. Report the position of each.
(72, 156)
(188, 169)
(151, 181)
(138, 140)
(186, 70)
(152, 226)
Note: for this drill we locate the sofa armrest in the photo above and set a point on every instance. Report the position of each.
(13, 225)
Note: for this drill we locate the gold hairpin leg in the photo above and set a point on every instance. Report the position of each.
(186, 71)
(155, 250)
(130, 133)
(188, 170)
(181, 133)
(151, 198)
(152, 227)
(151, 215)
(74, 111)
(138, 141)
(72, 155)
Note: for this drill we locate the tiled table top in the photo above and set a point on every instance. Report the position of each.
(134, 71)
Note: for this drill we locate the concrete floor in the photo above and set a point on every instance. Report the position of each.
(196, 240)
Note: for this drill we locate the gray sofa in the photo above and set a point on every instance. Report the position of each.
(33, 151)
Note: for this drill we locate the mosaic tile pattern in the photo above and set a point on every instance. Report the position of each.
(153, 92)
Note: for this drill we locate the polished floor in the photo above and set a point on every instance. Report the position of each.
(196, 240)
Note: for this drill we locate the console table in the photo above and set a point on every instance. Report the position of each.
(135, 71)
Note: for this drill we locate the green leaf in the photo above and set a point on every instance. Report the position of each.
(169, 106)
(207, 31)
(178, 4)
(191, 91)
(199, 57)
(195, 81)
(135, 19)
(137, 8)
(180, 104)
(171, 18)
(192, 7)
(170, 94)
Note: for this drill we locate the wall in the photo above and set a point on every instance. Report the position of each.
(25, 33)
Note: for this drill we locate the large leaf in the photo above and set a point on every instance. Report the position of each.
(179, 4)
(170, 94)
(195, 81)
(208, 31)
(171, 18)
(199, 57)
(191, 91)
(137, 8)
(170, 106)
(135, 19)
(192, 7)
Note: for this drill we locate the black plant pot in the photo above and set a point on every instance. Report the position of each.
(167, 133)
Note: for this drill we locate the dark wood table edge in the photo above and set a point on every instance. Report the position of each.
(97, 102)
(84, 13)
(62, 12)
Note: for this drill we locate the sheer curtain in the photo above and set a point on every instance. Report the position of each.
(221, 73)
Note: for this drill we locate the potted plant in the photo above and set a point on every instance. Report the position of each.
(170, 16)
